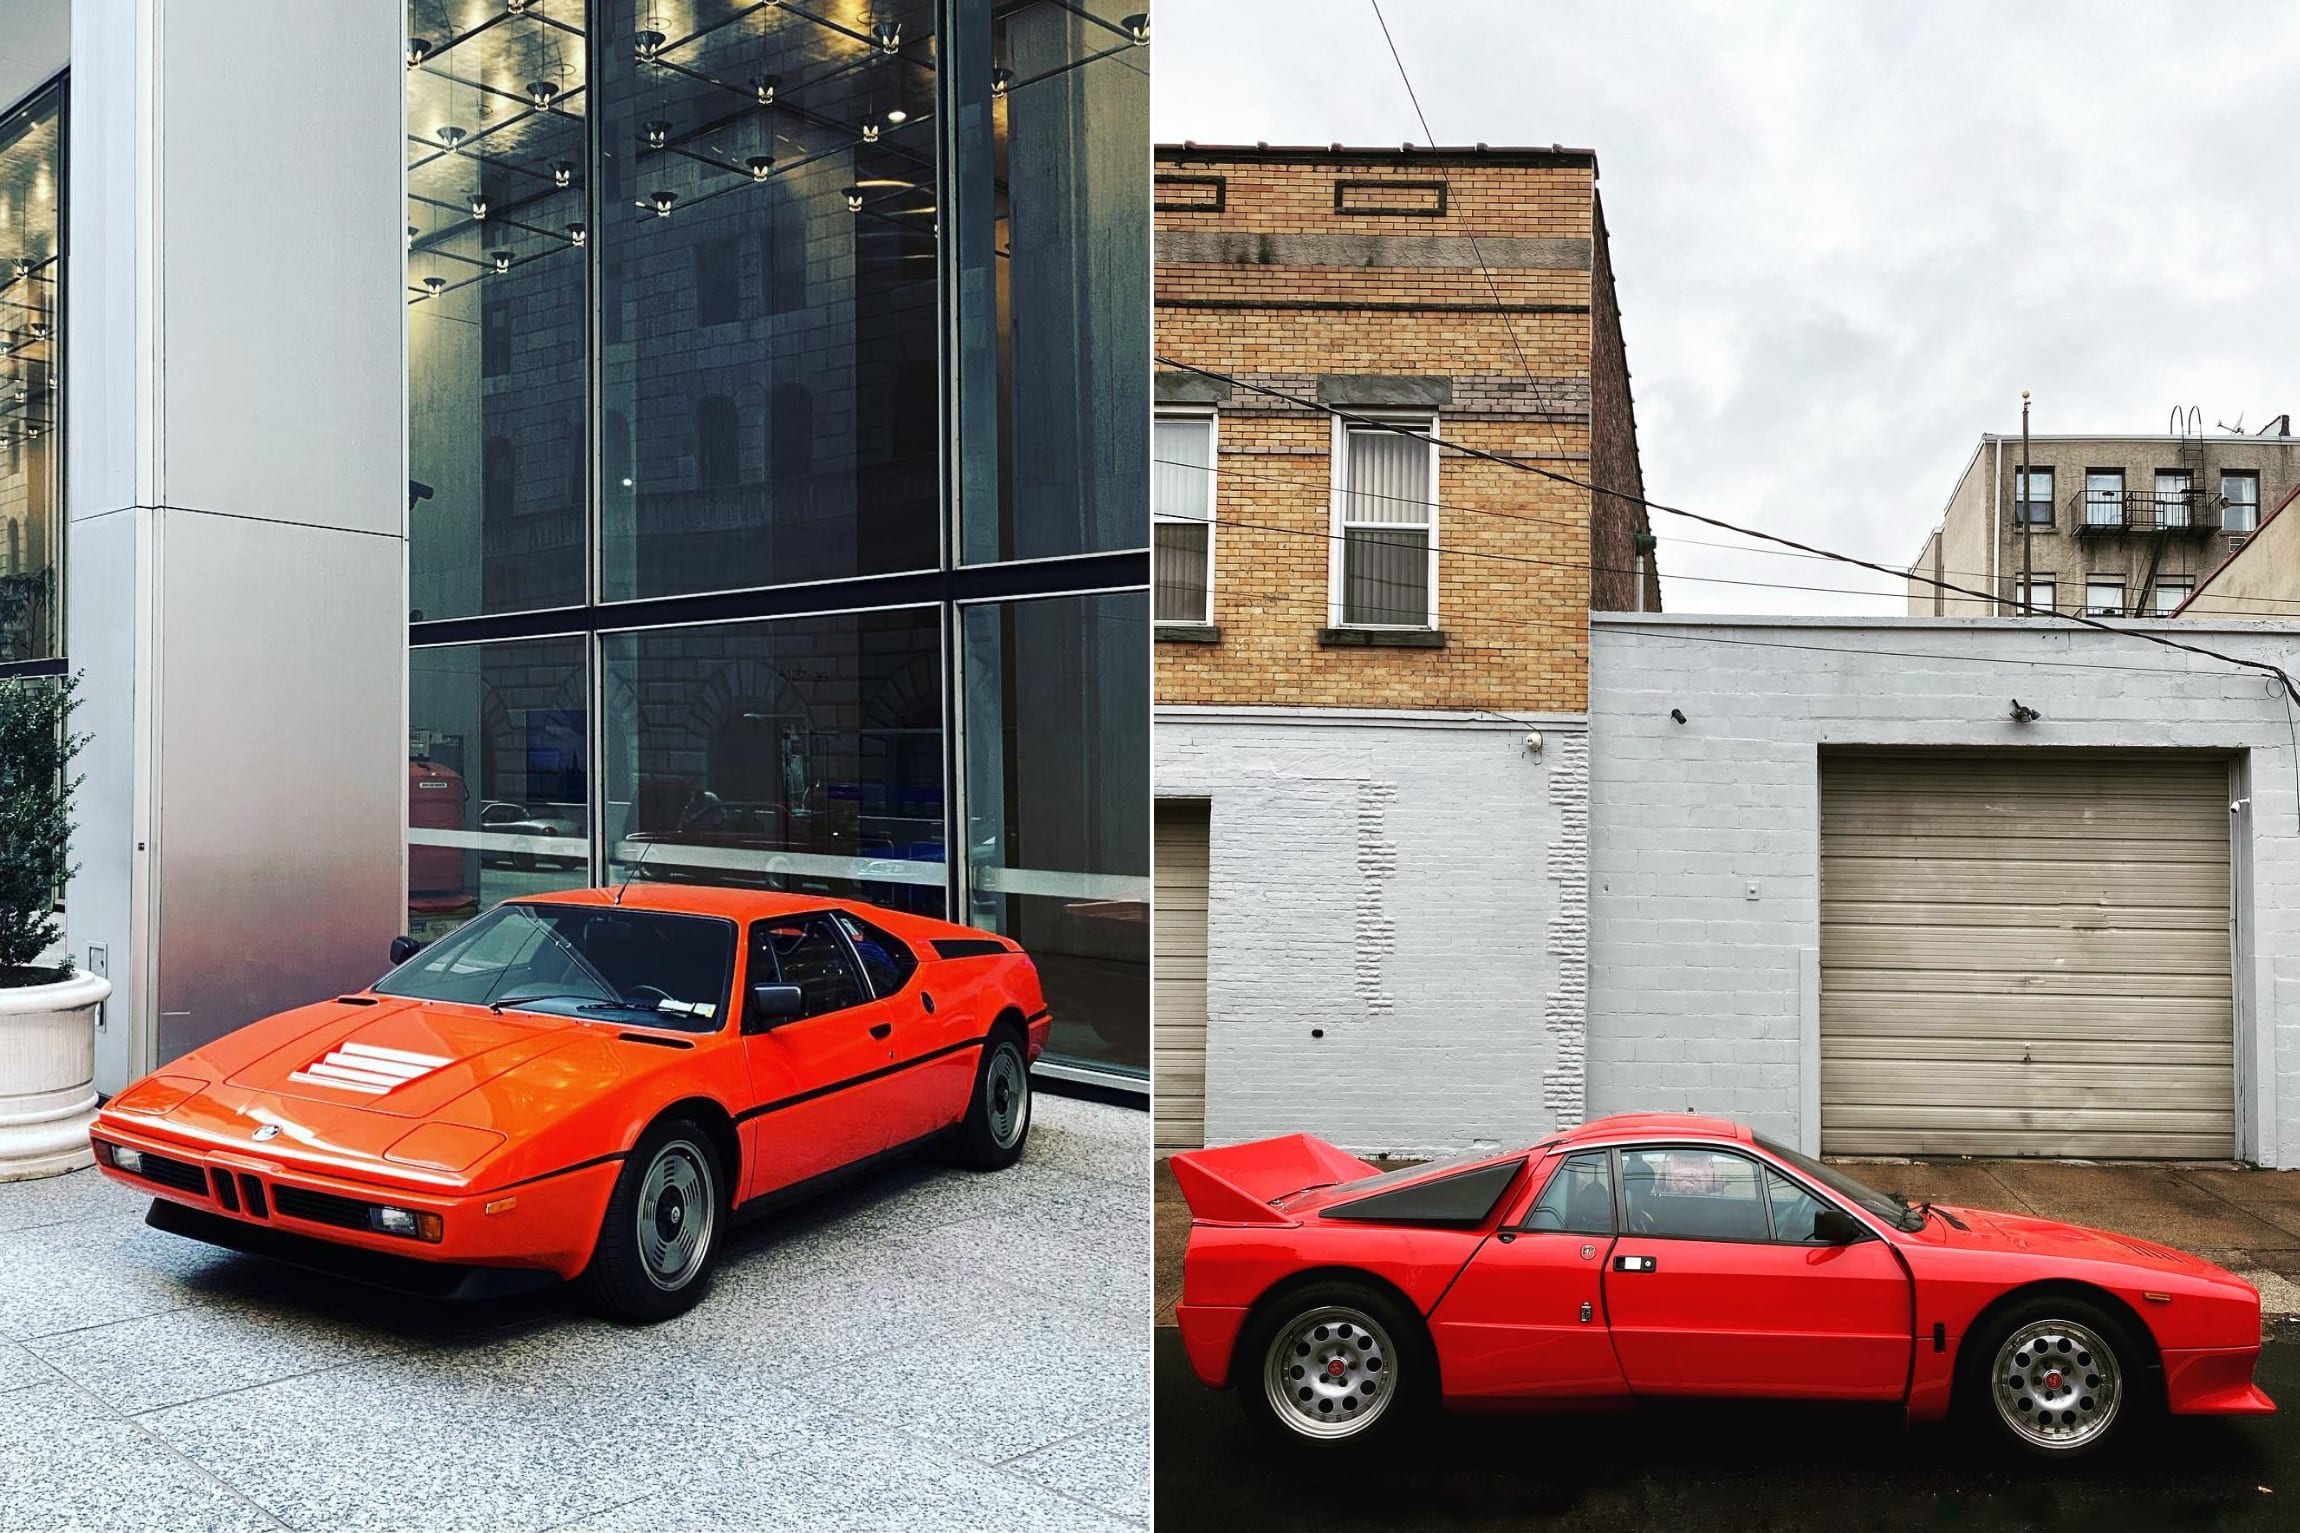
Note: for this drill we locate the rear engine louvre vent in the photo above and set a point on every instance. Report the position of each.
(968, 947)
(181, 1175)
(321, 1207)
(227, 1192)
(253, 1191)
(1463, 1200)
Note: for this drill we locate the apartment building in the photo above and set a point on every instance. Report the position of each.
(2110, 526)
(1371, 671)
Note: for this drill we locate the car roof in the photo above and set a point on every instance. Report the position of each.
(737, 904)
(1651, 1125)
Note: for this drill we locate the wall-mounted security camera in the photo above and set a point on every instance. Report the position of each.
(1533, 742)
(2238, 806)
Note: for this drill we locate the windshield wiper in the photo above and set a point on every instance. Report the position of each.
(551, 995)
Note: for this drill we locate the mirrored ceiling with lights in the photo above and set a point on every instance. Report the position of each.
(31, 378)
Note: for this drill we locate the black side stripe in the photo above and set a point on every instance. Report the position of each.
(545, 1176)
(857, 1080)
(1043, 1011)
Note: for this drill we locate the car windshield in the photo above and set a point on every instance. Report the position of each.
(628, 966)
(1895, 1213)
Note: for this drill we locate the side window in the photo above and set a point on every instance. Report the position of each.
(1793, 1208)
(1692, 1194)
(1578, 1198)
(885, 957)
(807, 953)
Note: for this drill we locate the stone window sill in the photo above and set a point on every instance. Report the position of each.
(1381, 638)
(1188, 633)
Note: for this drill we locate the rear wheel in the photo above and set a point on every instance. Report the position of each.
(2063, 1378)
(660, 1237)
(1334, 1363)
(997, 1122)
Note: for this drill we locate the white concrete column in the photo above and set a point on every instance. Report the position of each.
(236, 488)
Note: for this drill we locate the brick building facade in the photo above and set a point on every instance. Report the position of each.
(1372, 657)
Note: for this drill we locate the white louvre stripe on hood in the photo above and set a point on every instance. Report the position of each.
(368, 1068)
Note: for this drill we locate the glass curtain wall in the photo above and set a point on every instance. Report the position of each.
(31, 378)
(1058, 808)
(735, 329)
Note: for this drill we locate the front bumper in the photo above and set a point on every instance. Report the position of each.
(2214, 1381)
(548, 1226)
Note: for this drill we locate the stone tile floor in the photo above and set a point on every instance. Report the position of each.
(928, 1349)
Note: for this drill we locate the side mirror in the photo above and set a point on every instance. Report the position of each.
(403, 948)
(1835, 1227)
(772, 1005)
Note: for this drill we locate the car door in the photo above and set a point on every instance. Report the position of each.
(1705, 1297)
(935, 1072)
(819, 1081)
(1526, 1318)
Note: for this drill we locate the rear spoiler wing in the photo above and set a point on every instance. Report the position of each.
(1236, 1183)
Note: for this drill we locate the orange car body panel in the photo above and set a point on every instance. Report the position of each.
(516, 1141)
(1522, 1318)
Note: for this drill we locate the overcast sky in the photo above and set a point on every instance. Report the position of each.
(1846, 235)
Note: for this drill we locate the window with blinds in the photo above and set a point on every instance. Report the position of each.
(1388, 533)
(1182, 521)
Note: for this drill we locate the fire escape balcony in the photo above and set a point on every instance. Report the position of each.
(2193, 514)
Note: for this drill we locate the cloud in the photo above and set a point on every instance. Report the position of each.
(1846, 235)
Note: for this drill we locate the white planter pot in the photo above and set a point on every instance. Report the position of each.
(48, 1075)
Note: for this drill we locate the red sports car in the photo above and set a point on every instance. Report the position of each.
(588, 1085)
(1658, 1254)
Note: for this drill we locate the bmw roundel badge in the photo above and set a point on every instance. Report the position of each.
(268, 1131)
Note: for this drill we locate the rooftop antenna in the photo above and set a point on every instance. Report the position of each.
(2235, 430)
(633, 871)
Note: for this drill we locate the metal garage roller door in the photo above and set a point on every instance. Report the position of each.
(1178, 970)
(2026, 954)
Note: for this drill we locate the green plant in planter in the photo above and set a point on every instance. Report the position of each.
(36, 751)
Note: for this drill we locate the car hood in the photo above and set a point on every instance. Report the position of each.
(401, 1058)
(1989, 1230)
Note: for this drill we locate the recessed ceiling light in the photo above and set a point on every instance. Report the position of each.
(897, 117)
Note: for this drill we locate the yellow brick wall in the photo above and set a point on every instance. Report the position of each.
(1516, 628)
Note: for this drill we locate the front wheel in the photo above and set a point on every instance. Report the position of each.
(2063, 1379)
(660, 1237)
(997, 1122)
(1335, 1363)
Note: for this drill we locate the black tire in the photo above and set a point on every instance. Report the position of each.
(672, 1177)
(1384, 1388)
(2074, 1378)
(996, 1127)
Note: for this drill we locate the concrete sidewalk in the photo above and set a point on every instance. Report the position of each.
(2245, 1220)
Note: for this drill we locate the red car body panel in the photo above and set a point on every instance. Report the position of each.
(1523, 1318)
(517, 1139)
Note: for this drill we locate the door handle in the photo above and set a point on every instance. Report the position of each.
(882, 1029)
(1634, 1264)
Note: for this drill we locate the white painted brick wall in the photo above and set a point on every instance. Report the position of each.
(1702, 996)
(1409, 884)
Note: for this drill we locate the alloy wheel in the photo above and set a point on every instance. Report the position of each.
(1006, 1096)
(676, 1208)
(1327, 1373)
(2056, 1384)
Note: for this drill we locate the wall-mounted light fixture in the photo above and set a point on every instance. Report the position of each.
(2023, 714)
(888, 31)
(661, 202)
(418, 49)
(648, 44)
(854, 199)
(1138, 27)
(576, 234)
(436, 284)
(761, 165)
(451, 135)
(501, 257)
(763, 87)
(542, 93)
(478, 204)
(658, 134)
(562, 172)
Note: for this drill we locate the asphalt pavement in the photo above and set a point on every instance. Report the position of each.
(1734, 1466)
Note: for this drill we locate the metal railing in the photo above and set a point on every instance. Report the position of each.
(2144, 511)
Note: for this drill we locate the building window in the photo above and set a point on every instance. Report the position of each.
(2240, 497)
(2035, 595)
(2104, 596)
(2032, 506)
(2104, 497)
(1057, 788)
(2169, 594)
(1182, 479)
(799, 754)
(1386, 573)
(1051, 213)
(498, 776)
(32, 383)
(2175, 489)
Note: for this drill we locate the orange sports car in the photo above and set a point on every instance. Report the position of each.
(589, 1085)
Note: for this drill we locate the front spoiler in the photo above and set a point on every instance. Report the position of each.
(375, 1269)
